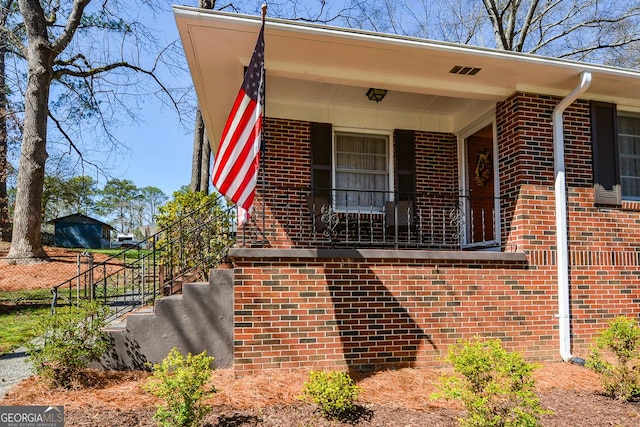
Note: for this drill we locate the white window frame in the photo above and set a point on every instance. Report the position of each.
(635, 116)
(390, 171)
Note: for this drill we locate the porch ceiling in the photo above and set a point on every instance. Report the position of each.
(322, 74)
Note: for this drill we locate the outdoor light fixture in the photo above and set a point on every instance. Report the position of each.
(376, 94)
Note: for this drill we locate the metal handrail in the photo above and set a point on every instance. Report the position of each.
(137, 275)
(334, 217)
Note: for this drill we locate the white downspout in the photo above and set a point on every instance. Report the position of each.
(562, 246)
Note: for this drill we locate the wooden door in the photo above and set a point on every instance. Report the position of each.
(480, 202)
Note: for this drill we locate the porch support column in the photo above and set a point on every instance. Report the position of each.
(562, 244)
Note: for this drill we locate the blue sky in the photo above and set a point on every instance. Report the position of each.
(160, 147)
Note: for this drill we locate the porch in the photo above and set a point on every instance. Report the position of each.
(299, 217)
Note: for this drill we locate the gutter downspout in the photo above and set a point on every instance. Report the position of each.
(562, 246)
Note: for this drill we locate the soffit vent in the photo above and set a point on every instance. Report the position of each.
(465, 71)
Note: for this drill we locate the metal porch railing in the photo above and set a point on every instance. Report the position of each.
(375, 219)
(183, 251)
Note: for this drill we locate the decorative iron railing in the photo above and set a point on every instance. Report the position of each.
(134, 277)
(303, 217)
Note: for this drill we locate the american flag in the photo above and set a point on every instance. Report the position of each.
(235, 168)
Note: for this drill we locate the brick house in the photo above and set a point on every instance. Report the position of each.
(484, 193)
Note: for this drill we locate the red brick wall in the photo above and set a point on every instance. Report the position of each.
(436, 162)
(364, 314)
(374, 314)
(525, 145)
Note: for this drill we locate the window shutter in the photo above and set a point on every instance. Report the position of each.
(404, 148)
(606, 168)
(321, 141)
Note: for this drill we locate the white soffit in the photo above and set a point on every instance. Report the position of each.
(316, 68)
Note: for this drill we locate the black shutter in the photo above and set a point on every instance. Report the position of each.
(404, 148)
(321, 142)
(606, 167)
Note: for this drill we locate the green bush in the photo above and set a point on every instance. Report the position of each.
(620, 379)
(334, 391)
(71, 339)
(495, 386)
(196, 231)
(180, 381)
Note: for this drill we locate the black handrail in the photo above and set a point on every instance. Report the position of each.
(135, 276)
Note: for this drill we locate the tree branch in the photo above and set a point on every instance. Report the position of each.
(72, 144)
(526, 25)
(57, 74)
(590, 24)
(496, 22)
(71, 26)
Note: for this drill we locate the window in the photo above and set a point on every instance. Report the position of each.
(616, 154)
(359, 166)
(361, 174)
(629, 152)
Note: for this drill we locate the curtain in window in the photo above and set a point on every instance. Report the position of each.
(361, 171)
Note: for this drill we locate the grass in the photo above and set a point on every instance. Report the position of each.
(20, 312)
(18, 323)
(37, 296)
(130, 254)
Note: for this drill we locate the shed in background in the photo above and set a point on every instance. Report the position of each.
(80, 231)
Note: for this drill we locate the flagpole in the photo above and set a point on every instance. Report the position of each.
(262, 140)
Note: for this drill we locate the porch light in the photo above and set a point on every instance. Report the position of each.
(376, 94)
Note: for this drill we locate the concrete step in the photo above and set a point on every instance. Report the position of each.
(199, 319)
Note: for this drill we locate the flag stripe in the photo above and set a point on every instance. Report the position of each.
(237, 166)
(249, 174)
(233, 152)
(227, 144)
(240, 169)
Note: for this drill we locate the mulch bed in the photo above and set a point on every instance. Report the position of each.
(271, 398)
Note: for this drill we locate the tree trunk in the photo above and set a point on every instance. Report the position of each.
(205, 165)
(5, 225)
(201, 161)
(196, 162)
(26, 242)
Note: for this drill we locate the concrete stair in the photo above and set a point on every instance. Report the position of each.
(199, 319)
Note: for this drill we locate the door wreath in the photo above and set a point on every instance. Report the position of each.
(483, 168)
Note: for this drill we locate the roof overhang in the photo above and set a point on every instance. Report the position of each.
(321, 73)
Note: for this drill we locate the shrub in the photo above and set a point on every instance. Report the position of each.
(333, 391)
(620, 379)
(180, 381)
(196, 231)
(496, 386)
(71, 339)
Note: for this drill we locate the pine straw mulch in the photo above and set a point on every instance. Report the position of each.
(271, 398)
(62, 265)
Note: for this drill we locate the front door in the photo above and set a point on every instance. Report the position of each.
(480, 194)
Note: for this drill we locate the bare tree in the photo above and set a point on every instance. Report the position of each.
(586, 30)
(7, 8)
(601, 31)
(4, 147)
(196, 161)
(201, 162)
(62, 46)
